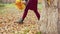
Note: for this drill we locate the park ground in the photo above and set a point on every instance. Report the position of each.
(9, 14)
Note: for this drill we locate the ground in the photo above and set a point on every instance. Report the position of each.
(9, 14)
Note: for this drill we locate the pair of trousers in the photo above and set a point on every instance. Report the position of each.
(35, 11)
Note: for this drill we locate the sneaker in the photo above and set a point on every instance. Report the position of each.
(20, 21)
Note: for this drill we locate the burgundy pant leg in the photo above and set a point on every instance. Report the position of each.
(25, 13)
(37, 13)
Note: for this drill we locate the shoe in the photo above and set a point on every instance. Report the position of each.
(38, 19)
(20, 21)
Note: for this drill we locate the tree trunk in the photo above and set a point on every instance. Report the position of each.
(58, 24)
(49, 17)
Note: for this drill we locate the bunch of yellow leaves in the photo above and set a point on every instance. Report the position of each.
(19, 4)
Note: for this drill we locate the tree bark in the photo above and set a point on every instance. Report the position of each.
(58, 24)
(49, 17)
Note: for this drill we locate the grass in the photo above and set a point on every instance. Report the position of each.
(38, 33)
(12, 5)
(40, 6)
(3, 6)
(9, 5)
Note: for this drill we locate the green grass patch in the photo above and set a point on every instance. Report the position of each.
(40, 6)
(4, 6)
(9, 5)
(38, 33)
(1, 5)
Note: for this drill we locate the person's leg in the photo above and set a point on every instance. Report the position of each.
(24, 15)
(37, 13)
